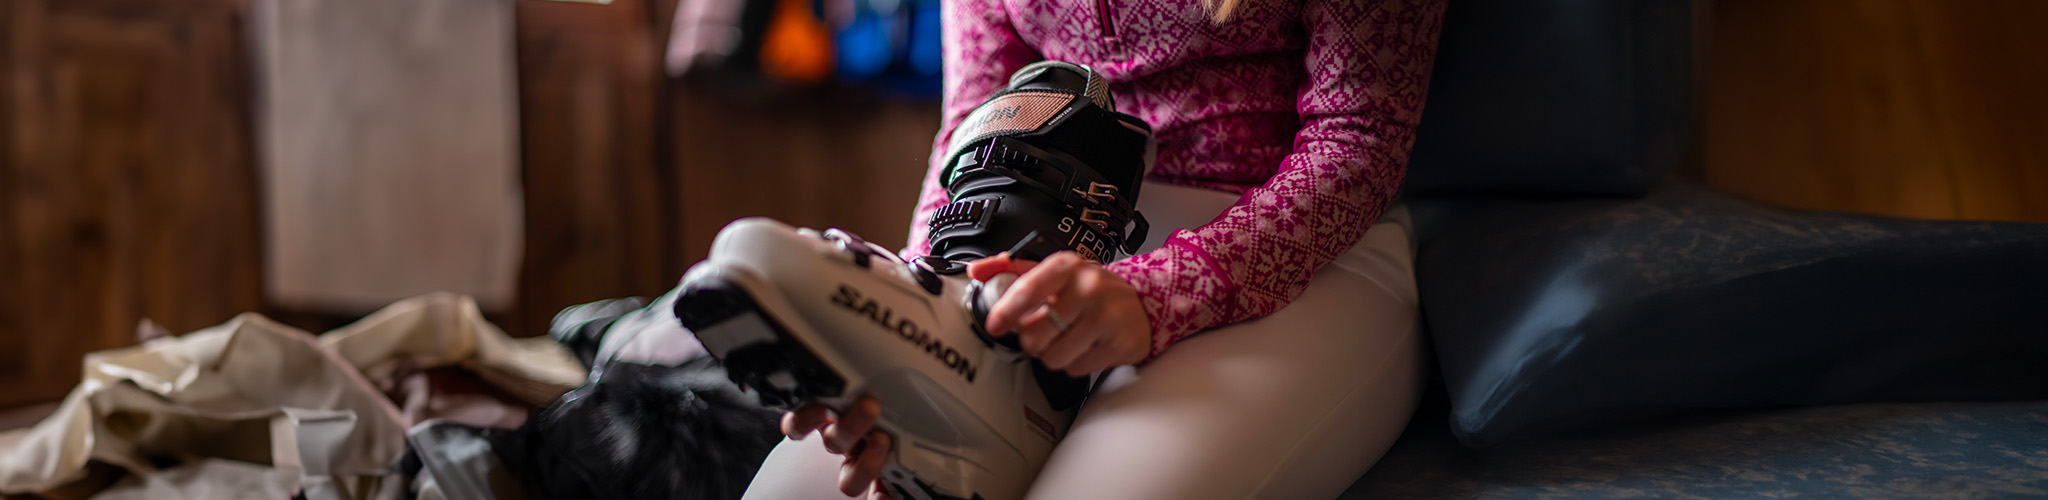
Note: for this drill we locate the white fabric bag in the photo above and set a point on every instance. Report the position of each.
(251, 390)
(252, 394)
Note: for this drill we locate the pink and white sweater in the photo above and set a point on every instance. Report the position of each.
(1306, 107)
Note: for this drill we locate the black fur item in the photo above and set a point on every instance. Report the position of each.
(582, 328)
(644, 431)
(635, 430)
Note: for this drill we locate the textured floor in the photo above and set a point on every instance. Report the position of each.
(1929, 450)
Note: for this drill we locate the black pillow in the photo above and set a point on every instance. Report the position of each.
(1588, 97)
(1561, 315)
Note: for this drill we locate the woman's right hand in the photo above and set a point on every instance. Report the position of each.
(851, 434)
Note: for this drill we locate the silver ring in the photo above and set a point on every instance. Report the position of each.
(1054, 317)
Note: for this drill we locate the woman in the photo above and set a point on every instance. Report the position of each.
(1273, 317)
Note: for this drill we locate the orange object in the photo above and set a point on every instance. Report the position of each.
(797, 46)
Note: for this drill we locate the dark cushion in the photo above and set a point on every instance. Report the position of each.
(1583, 97)
(1560, 315)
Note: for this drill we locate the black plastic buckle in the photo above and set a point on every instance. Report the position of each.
(1136, 238)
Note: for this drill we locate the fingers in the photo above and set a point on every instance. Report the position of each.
(1074, 304)
(800, 422)
(1113, 349)
(864, 464)
(852, 434)
(1111, 328)
(1043, 338)
(853, 425)
(988, 267)
(1075, 344)
(1033, 289)
(880, 492)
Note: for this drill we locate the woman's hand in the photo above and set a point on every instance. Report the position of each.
(1106, 327)
(1104, 322)
(851, 434)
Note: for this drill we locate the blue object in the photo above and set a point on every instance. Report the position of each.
(863, 46)
(925, 58)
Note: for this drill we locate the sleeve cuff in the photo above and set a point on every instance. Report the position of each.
(1181, 287)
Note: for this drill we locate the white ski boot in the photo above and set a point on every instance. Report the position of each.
(801, 316)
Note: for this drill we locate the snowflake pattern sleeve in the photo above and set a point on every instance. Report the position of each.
(1307, 108)
(1368, 66)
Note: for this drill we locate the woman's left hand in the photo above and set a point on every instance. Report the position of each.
(1105, 322)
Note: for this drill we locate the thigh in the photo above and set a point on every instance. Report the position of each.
(798, 470)
(1297, 404)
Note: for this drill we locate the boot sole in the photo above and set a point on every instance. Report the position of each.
(770, 361)
(773, 363)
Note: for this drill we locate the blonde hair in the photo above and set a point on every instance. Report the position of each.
(1221, 10)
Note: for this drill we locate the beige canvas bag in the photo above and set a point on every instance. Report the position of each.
(253, 391)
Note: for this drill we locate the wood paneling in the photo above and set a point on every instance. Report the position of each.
(128, 184)
(629, 174)
(14, 369)
(127, 178)
(810, 159)
(1919, 108)
(596, 226)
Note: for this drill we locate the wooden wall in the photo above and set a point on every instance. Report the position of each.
(590, 100)
(127, 178)
(1917, 108)
(853, 162)
(629, 174)
(126, 182)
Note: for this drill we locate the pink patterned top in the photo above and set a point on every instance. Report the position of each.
(1307, 107)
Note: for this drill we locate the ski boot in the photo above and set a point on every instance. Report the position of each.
(801, 316)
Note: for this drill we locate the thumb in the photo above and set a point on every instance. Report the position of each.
(988, 267)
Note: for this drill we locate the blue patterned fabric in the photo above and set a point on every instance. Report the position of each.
(1927, 450)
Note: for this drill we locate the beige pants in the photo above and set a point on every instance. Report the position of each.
(1295, 405)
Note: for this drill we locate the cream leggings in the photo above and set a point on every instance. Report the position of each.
(1295, 405)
